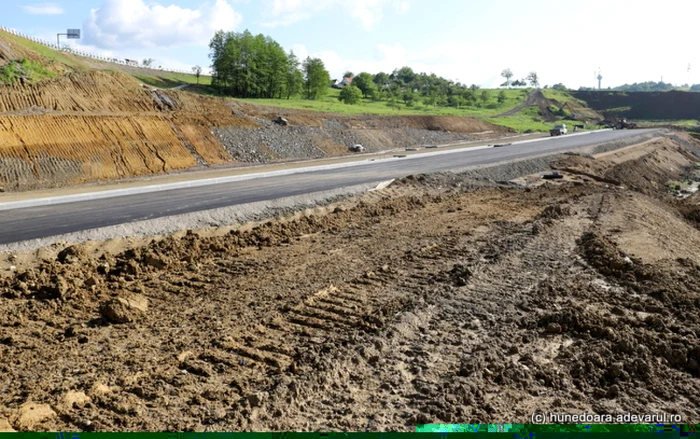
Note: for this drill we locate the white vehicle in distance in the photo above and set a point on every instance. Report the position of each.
(357, 148)
(558, 130)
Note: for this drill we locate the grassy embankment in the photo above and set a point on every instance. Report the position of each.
(34, 69)
(527, 119)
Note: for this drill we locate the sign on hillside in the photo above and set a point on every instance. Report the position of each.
(73, 34)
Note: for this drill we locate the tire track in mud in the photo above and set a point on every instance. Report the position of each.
(323, 320)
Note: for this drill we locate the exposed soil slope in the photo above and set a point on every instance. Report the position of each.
(440, 299)
(94, 125)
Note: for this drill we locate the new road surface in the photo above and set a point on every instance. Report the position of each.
(21, 224)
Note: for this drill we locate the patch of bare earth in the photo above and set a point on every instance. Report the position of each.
(435, 300)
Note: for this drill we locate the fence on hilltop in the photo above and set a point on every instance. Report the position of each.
(68, 49)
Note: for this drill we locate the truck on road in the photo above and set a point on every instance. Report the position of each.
(558, 130)
(622, 124)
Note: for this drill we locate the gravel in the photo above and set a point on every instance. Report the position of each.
(272, 142)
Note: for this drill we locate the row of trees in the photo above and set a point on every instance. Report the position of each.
(648, 86)
(410, 88)
(532, 79)
(255, 66)
(656, 86)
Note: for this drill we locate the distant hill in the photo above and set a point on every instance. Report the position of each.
(648, 86)
(668, 105)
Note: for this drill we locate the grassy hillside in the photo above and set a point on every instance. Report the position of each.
(42, 58)
(330, 103)
(169, 80)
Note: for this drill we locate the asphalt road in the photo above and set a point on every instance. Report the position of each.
(45, 221)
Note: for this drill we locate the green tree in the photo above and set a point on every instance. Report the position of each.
(409, 98)
(294, 78)
(484, 96)
(365, 82)
(350, 95)
(393, 102)
(533, 79)
(382, 80)
(403, 76)
(244, 65)
(148, 62)
(316, 78)
(508, 74)
(197, 70)
(348, 74)
(501, 97)
(429, 100)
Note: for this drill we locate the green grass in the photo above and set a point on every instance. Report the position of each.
(155, 78)
(689, 123)
(561, 96)
(32, 71)
(169, 80)
(520, 123)
(524, 120)
(52, 54)
(330, 103)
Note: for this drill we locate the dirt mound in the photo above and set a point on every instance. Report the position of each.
(604, 255)
(652, 172)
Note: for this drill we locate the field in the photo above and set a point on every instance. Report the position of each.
(440, 299)
(330, 103)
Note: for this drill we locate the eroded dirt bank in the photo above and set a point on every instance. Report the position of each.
(440, 299)
(95, 126)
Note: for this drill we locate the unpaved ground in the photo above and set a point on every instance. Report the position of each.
(440, 299)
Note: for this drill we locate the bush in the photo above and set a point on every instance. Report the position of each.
(350, 95)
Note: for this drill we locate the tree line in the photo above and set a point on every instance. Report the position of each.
(655, 86)
(407, 87)
(256, 66)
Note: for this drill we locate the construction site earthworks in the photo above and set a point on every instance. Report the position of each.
(481, 296)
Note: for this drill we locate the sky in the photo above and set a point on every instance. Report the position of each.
(469, 41)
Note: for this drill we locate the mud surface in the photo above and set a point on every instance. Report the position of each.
(439, 299)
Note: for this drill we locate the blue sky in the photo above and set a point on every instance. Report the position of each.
(470, 41)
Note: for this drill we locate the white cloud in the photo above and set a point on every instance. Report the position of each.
(368, 12)
(401, 7)
(133, 23)
(43, 9)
